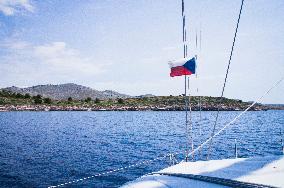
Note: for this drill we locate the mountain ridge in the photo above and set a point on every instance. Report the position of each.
(64, 91)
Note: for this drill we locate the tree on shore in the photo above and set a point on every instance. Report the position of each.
(13, 95)
(19, 96)
(27, 96)
(5, 93)
(97, 100)
(37, 99)
(70, 99)
(120, 101)
(47, 100)
(88, 99)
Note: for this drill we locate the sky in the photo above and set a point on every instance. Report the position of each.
(125, 45)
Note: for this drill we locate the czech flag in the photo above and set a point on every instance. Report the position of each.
(182, 67)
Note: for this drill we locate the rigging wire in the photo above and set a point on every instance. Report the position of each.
(237, 117)
(200, 38)
(112, 171)
(196, 39)
(177, 153)
(184, 55)
(201, 145)
(196, 76)
(190, 119)
(225, 81)
(188, 126)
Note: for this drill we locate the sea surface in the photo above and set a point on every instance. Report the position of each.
(40, 149)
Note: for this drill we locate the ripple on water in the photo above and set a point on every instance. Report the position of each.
(47, 148)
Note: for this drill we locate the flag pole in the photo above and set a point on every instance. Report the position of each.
(186, 114)
(186, 101)
(185, 79)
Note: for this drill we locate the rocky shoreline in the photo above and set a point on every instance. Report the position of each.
(5, 108)
(19, 102)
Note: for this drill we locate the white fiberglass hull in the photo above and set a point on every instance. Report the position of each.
(267, 171)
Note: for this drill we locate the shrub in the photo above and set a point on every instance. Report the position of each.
(88, 99)
(38, 100)
(47, 100)
(19, 95)
(97, 100)
(37, 97)
(27, 96)
(120, 101)
(5, 93)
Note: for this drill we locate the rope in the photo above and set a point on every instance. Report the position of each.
(237, 117)
(177, 153)
(115, 170)
(225, 81)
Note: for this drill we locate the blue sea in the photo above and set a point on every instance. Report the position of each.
(40, 149)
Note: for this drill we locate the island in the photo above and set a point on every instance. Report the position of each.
(10, 101)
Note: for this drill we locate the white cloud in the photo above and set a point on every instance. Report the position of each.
(10, 7)
(45, 63)
(15, 45)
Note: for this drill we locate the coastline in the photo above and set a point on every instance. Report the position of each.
(156, 103)
(9, 108)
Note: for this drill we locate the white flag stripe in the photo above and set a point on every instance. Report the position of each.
(179, 62)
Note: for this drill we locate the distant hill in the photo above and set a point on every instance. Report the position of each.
(146, 95)
(275, 106)
(63, 91)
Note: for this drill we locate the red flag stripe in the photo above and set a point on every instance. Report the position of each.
(179, 71)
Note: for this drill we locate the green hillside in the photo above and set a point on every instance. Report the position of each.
(135, 103)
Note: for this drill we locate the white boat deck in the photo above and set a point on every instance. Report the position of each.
(267, 171)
